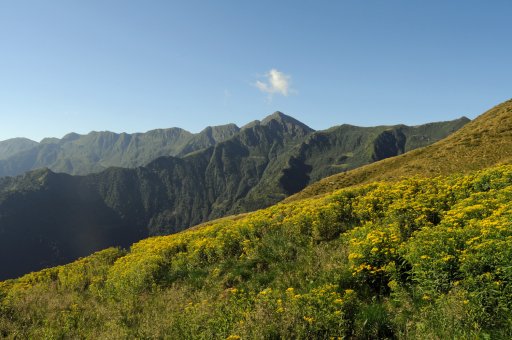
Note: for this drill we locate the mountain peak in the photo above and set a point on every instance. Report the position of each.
(219, 133)
(279, 116)
(70, 137)
(286, 121)
(220, 128)
(12, 146)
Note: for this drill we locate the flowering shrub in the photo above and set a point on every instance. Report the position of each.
(417, 258)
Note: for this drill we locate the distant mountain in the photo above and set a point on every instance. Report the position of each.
(345, 147)
(484, 142)
(84, 154)
(48, 218)
(13, 146)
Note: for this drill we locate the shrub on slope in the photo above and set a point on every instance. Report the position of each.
(417, 258)
(484, 142)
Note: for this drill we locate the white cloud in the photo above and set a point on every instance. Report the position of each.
(276, 82)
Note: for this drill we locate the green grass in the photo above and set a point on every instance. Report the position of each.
(484, 142)
(419, 258)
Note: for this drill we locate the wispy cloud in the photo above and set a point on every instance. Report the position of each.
(276, 83)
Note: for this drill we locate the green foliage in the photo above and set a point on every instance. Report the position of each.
(83, 154)
(13, 146)
(420, 258)
(482, 143)
(220, 171)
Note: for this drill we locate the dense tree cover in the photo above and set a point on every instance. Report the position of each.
(418, 258)
(49, 218)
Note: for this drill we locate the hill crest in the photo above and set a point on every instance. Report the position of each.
(481, 143)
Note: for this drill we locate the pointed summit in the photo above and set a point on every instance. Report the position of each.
(288, 123)
(278, 115)
(281, 117)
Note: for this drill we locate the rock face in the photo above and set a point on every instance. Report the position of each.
(49, 218)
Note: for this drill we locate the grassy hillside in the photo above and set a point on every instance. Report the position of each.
(346, 147)
(419, 258)
(318, 154)
(49, 218)
(484, 142)
(15, 145)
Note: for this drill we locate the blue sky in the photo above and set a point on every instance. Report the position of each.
(138, 65)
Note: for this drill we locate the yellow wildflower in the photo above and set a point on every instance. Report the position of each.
(309, 320)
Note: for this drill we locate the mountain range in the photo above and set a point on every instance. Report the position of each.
(484, 142)
(49, 218)
(84, 154)
(416, 246)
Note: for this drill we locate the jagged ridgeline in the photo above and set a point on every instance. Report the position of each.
(84, 154)
(49, 218)
(415, 259)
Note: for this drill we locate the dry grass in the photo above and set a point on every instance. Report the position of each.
(482, 143)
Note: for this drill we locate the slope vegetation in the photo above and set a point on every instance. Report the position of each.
(420, 258)
(83, 154)
(13, 146)
(484, 142)
(49, 218)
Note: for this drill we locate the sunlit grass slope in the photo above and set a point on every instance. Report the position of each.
(484, 142)
(418, 258)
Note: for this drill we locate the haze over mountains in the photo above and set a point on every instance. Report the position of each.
(13, 146)
(83, 154)
(49, 218)
(77, 154)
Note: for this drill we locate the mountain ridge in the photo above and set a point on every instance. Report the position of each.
(93, 152)
(483, 142)
(258, 166)
(10, 147)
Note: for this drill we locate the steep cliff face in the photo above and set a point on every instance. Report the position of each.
(388, 143)
(346, 147)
